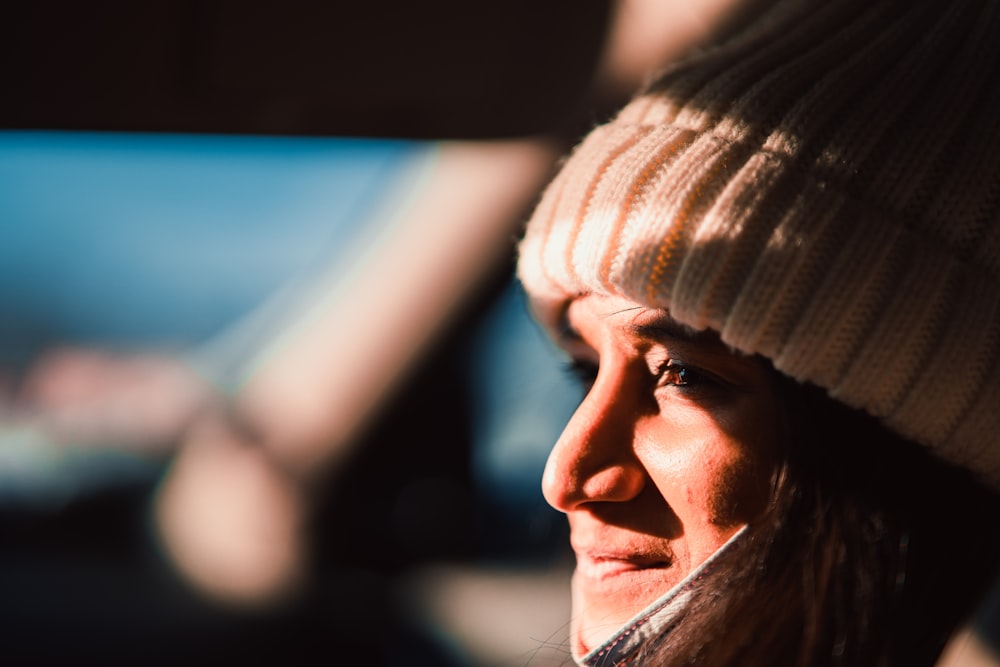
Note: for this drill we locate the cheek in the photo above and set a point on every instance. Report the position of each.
(738, 489)
(710, 483)
(711, 476)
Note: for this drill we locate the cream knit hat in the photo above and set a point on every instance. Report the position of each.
(823, 190)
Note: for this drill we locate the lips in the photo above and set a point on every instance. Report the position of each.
(599, 566)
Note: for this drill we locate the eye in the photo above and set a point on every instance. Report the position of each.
(676, 374)
(585, 372)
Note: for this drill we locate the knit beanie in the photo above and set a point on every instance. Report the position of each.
(822, 189)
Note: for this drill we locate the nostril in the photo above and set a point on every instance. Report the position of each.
(569, 482)
(615, 483)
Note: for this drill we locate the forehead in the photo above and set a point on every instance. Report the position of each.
(583, 316)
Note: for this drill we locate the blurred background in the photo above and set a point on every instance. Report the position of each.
(268, 390)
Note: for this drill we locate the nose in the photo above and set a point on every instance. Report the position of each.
(593, 460)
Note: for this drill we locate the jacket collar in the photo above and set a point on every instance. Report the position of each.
(655, 619)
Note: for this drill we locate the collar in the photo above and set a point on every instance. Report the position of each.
(658, 617)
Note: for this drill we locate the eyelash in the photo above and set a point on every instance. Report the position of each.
(686, 377)
(584, 372)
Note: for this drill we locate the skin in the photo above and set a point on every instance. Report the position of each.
(671, 452)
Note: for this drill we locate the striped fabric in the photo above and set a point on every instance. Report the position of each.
(824, 190)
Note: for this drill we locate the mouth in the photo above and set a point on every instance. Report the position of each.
(602, 566)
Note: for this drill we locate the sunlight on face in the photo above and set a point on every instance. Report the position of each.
(670, 453)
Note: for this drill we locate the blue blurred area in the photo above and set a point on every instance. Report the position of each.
(167, 239)
(522, 397)
(185, 243)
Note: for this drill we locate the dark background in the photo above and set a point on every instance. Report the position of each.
(433, 69)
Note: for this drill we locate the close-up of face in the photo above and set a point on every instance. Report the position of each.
(671, 452)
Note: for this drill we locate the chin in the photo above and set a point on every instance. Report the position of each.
(607, 597)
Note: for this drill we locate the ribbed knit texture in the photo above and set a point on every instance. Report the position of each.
(823, 190)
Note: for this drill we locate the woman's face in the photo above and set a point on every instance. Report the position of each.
(670, 453)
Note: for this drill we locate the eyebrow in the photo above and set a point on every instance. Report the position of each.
(661, 326)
